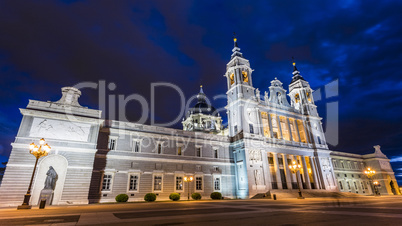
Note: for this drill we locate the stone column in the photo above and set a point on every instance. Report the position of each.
(314, 172)
(289, 129)
(266, 170)
(271, 133)
(287, 171)
(277, 172)
(297, 129)
(305, 172)
(279, 127)
(259, 121)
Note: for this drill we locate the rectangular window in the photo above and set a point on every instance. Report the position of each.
(198, 183)
(340, 185)
(216, 153)
(348, 185)
(198, 151)
(178, 150)
(355, 185)
(157, 183)
(159, 148)
(112, 143)
(280, 161)
(265, 124)
(318, 139)
(362, 185)
(133, 183)
(235, 129)
(271, 160)
(217, 183)
(136, 146)
(293, 130)
(301, 131)
(107, 182)
(179, 183)
(251, 128)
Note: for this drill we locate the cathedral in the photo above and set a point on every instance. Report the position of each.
(93, 159)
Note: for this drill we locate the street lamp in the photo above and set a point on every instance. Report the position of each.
(188, 180)
(38, 152)
(294, 168)
(370, 173)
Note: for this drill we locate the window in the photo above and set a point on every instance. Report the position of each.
(216, 153)
(348, 185)
(198, 183)
(179, 183)
(284, 127)
(280, 161)
(235, 129)
(158, 183)
(346, 175)
(159, 148)
(271, 160)
(231, 79)
(292, 125)
(179, 150)
(335, 164)
(245, 76)
(217, 183)
(112, 143)
(361, 182)
(251, 128)
(136, 146)
(318, 139)
(265, 124)
(343, 166)
(133, 183)
(353, 175)
(297, 98)
(107, 182)
(355, 185)
(198, 151)
(301, 131)
(340, 185)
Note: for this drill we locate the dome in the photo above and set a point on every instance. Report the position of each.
(202, 106)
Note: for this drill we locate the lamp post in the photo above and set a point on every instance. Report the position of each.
(370, 173)
(294, 168)
(38, 152)
(188, 180)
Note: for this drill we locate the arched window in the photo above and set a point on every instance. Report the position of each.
(297, 98)
(245, 76)
(231, 79)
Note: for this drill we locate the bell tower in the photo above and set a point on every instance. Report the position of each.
(301, 96)
(240, 89)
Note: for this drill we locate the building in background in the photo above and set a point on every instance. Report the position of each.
(97, 159)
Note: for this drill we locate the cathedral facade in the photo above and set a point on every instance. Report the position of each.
(97, 159)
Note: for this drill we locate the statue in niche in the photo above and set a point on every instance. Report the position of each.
(258, 177)
(266, 96)
(51, 178)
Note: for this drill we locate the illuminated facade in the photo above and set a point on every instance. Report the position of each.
(97, 159)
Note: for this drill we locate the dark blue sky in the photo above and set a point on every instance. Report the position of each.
(45, 45)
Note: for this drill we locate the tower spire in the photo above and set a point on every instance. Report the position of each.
(296, 73)
(236, 49)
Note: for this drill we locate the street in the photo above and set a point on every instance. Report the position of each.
(314, 211)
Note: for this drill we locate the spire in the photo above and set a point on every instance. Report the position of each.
(296, 73)
(236, 49)
(201, 96)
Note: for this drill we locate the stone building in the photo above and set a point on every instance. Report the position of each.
(97, 159)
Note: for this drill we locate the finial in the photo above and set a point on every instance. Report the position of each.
(235, 39)
(201, 91)
(294, 64)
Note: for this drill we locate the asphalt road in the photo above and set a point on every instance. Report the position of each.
(314, 211)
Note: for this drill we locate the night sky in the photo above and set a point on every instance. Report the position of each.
(46, 45)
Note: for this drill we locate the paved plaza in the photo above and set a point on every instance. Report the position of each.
(314, 211)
